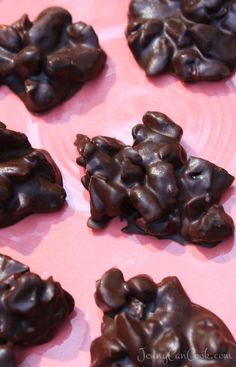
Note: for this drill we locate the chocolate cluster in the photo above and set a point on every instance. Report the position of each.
(46, 61)
(155, 325)
(196, 40)
(31, 309)
(30, 181)
(154, 186)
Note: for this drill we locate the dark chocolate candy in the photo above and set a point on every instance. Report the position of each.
(31, 309)
(30, 182)
(46, 61)
(154, 186)
(155, 325)
(196, 40)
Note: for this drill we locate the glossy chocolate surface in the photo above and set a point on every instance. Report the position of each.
(196, 40)
(154, 186)
(31, 309)
(46, 61)
(156, 325)
(30, 181)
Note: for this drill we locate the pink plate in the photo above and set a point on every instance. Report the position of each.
(60, 244)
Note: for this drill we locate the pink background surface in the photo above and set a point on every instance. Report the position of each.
(60, 244)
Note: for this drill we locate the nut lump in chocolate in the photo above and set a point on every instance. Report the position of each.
(154, 186)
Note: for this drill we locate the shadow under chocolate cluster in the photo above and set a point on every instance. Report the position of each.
(46, 61)
(30, 181)
(153, 185)
(31, 309)
(196, 40)
(154, 325)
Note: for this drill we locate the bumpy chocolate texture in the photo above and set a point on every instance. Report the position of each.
(154, 186)
(31, 309)
(196, 40)
(47, 61)
(155, 325)
(30, 181)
